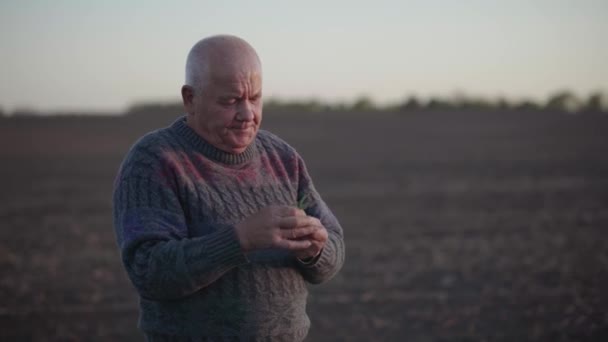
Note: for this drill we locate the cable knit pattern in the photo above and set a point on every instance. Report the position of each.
(176, 202)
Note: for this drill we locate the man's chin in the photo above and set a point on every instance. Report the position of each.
(240, 145)
(240, 141)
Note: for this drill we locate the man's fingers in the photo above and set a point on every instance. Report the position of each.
(300, 212)
(288, 222)
(320, 235)
(297, 233)
(285, 211)
(298, 221)
(293, 222)
(294, 245)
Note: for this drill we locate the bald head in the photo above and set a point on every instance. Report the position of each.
(223, 92)
(218, 56)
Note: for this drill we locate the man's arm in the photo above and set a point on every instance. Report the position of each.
(159, 257)
(162, 261)
(331, 258)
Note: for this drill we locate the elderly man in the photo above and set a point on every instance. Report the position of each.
(218, 222)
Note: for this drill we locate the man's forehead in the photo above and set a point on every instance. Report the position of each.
(237, 80)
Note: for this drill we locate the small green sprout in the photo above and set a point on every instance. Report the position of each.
(303, 202)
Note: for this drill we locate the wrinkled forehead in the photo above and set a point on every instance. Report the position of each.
(235, 77)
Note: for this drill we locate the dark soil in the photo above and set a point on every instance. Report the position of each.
(459, 226)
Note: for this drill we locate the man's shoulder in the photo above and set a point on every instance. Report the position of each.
(148, 150)
(268, 140)
(154, 141)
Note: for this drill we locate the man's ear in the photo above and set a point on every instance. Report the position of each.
(188, 98)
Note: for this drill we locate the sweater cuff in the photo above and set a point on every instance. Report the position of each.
(309, 262)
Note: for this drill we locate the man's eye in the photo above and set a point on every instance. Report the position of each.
(229, 101)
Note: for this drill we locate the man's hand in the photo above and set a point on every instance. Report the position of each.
(317, 239)
(277, 227)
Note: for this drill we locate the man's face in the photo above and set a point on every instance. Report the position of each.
(227, 110)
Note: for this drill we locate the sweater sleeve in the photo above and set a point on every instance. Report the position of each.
(331, 258)
(161, 260)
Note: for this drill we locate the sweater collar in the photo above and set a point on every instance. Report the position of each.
(181, 127)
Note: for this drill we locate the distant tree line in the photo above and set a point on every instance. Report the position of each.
(562, 101)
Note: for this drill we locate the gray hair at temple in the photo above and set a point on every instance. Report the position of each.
(217, 52)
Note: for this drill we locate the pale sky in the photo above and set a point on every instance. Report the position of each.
(106, 55)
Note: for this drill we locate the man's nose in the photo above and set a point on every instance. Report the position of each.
(245, 111)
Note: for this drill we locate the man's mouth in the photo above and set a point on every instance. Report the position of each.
(241, 130)
(238, 128)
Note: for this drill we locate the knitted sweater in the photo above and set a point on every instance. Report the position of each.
(176, 202)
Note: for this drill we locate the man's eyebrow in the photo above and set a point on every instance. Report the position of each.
(230, 93)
